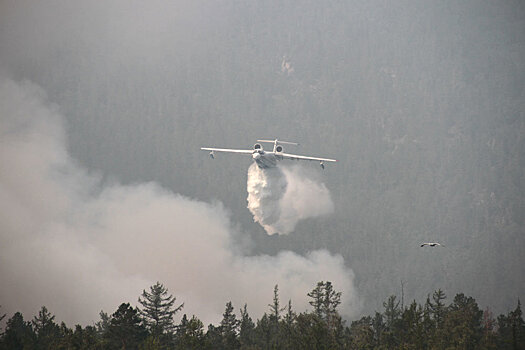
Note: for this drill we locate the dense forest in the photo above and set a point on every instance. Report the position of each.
(435, 324)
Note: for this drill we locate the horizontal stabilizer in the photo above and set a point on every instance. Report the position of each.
(279, 141)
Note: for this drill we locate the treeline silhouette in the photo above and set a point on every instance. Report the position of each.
(431, 325)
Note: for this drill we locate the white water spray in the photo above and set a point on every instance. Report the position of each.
(279, 197)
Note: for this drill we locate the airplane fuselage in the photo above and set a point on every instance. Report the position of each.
(264, 159)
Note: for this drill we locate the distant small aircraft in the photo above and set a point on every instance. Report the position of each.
(432, 244)
(268, 159)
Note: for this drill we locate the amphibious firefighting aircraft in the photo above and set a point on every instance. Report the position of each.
(268, 159)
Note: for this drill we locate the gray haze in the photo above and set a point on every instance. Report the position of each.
(422, 103)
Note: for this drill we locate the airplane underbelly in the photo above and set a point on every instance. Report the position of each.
(267, 161)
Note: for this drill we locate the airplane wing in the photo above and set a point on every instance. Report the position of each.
(245, 151)
(297, 157)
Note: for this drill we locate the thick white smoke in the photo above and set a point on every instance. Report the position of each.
(78, 246)
(281, 196)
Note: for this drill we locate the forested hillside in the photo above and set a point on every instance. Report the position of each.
(434, 324)
(422, 103)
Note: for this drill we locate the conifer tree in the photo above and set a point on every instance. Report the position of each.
(462, 324)
(125, 328)
(392, 319)
(290, 314)
(275, 317)
(287, 328)
(157, 310)
(428, 323)
(212, 339)
(18, 334)
(103, 324)
(275, 309)
(331, 300)
(438, 307)
(45, 328)
(311, 332)
(511, 330)
(325, 301)
(229, 327)
(317, 299)
(437, 311)
(412, 330)
(190, 333)
(263, 332)
(246, 329)
(378, 327)
(362, 333)
(518, 327)
(43, 320)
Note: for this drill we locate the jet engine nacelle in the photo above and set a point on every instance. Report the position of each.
(257, 147)
(279, 149)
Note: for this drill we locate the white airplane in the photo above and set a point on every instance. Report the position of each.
(268, 159)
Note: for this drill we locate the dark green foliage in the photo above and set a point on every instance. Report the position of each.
(311, 332)
(378, 327)
(317, 298)
(275, 309)
(363, 333)
(125, 328)
(325, 301)
(157, 312)
(287, 328)
(229, 328)
(512, 330)
(102, 325)
(438, 307)
(190, 334)
(411, 328)
(46, 330)
(213, 339)
(263, 332)
(461, 325)
(85, 338)
(274, 319)
(19, 334)
(390, 337)
(246, 329)
(324, 328)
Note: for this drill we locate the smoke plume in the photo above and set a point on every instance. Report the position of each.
(78, 245)
(281, 196)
